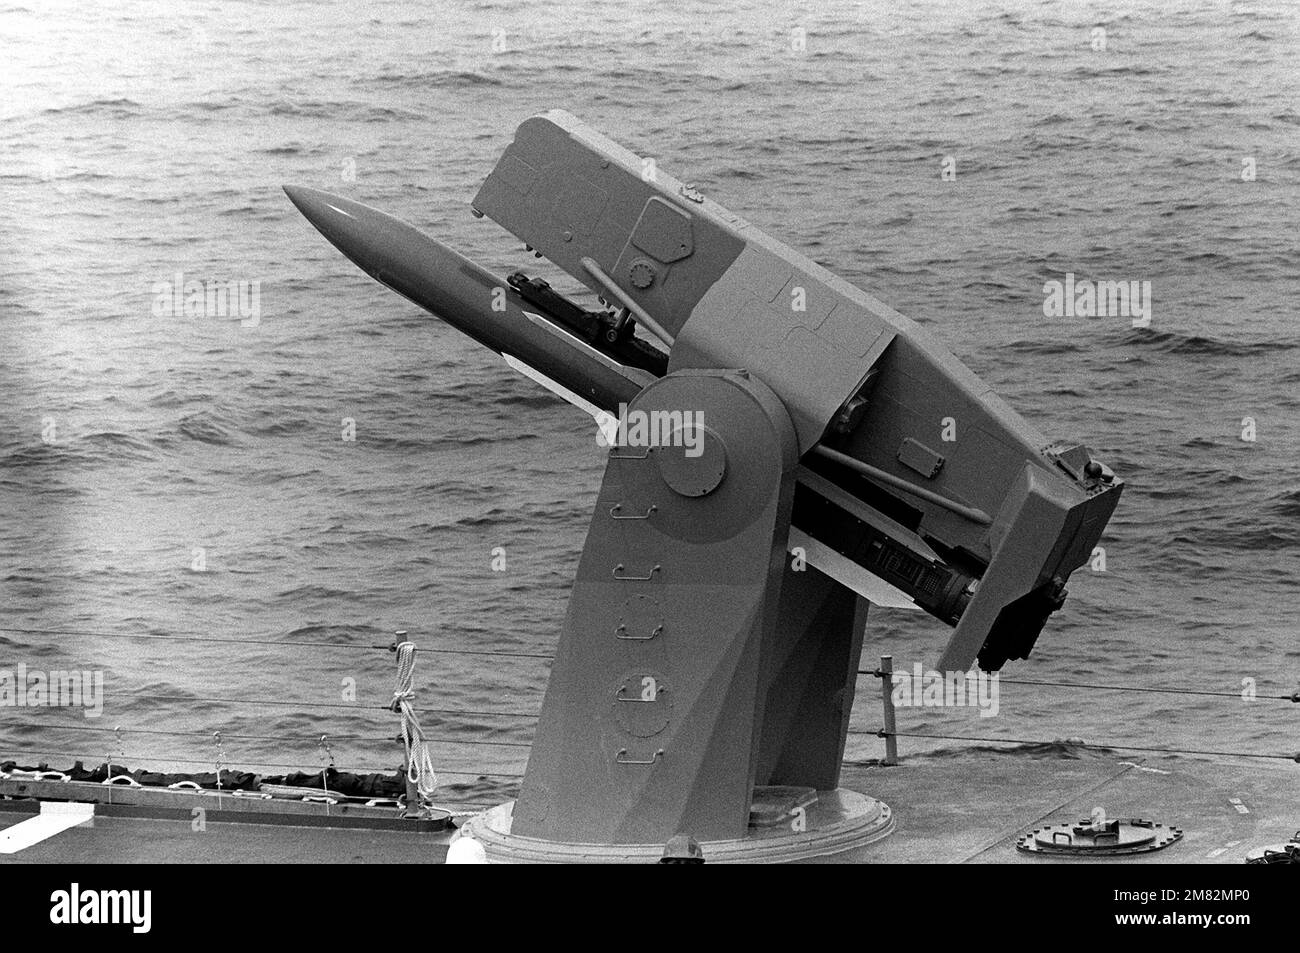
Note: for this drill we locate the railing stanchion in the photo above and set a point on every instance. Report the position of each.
(888, 732)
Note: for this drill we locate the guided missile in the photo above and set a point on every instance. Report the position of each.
(468, 297)
(578, 355)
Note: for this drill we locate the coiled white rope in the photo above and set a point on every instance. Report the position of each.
(419, 764)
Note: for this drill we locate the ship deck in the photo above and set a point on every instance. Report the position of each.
(958, 806)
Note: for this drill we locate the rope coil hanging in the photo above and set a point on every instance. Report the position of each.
(419, 764)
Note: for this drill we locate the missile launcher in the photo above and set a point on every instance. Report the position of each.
(821, 453)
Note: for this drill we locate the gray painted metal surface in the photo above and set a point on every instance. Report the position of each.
(696, 660)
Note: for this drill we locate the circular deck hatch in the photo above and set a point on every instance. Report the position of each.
(1132, 836)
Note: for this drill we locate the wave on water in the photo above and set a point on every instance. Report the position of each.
(340, 634)
(338, 111)
(1064, 749)
(431, 79)
(204, 428)
(88, 450)
(1196, 345)
(1286, 504)
(1053, 346)
(119, 108)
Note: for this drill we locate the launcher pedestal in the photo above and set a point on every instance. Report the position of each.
(704, 678)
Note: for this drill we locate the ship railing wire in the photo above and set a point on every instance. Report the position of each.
(886, 733)
(285, 741)
(890, 734)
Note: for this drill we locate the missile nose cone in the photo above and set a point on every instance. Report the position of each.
(365, 235)
(298, 194)
(318, 207)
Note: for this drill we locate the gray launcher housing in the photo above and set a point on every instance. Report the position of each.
(697, 665)
(858, 379)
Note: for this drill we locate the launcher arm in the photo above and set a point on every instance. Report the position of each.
(912, 468)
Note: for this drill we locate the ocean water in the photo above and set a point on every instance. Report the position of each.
(165, 476)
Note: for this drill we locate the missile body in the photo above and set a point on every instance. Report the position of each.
(542, 346)
(467, 296)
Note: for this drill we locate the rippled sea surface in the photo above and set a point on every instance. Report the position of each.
(168, 476)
